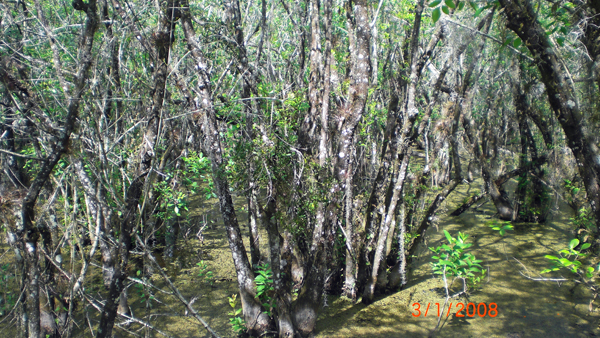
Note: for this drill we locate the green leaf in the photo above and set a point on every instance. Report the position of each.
(551, 257)
(473, 5)
(435, 16)
(435, 3)
(450, 4)
(445, 10)
(565, 262)
(461, 5)
(561, 41)
(574, 242)
(585, 246)
(517, 42)
(448, 237)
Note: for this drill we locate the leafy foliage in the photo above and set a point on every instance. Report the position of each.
(264, 287)
(569, 259)
(238, 324)
(205, 273)
(501, 226)
(453, 259)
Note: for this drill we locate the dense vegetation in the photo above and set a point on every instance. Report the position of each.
(345, 124)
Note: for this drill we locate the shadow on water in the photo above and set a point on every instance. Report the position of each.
(526, 308)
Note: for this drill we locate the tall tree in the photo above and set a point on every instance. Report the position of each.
(523, 20)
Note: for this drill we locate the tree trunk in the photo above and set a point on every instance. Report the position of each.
(256, 321)
(28, 231)
(522, 19)
(379, 257)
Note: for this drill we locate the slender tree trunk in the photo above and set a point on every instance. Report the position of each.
(522, 19)
(383, 232)
(28, 231)
(256, 321)
(162, 38)
(397, 145)
(315, 96)
(306, 307)
(248, 86)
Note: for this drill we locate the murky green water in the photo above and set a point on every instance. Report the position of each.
(526, 308)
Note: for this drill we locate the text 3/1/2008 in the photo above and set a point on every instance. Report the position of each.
(481, 309)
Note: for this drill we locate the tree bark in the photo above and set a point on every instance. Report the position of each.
(256, 321)
(522, 19)
(28, 232)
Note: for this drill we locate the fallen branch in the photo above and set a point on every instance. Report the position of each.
(94, 304)
(540, 279)
(472, 200)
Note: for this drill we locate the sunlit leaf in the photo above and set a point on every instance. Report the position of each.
(573, 243)
(448, 237)
(565, 262)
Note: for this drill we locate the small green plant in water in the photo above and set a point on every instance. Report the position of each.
(197, 166)
(264, 287)
(237, 323)
(569, 259)
(500, 226)
(144, 295)
(205, 273)
(584, 220)
(454, 260)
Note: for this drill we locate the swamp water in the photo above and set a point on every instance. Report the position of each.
(526, 308)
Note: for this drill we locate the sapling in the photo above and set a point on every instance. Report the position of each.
(569, 259)
(453, 260)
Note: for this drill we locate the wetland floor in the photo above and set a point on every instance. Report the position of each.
(525, 307)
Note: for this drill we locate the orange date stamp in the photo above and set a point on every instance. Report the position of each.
(471, 310)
